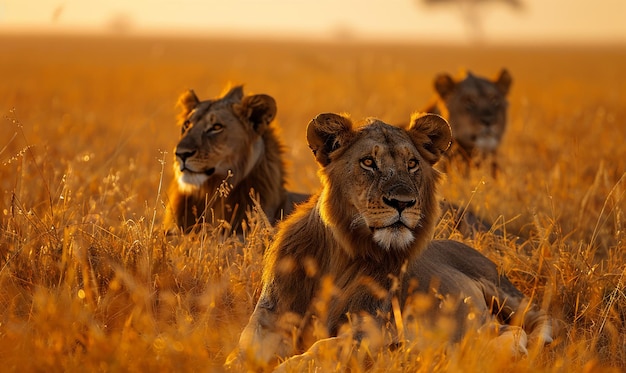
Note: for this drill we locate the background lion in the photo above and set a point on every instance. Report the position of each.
(360, 251)
(227, 147)
(476, 109)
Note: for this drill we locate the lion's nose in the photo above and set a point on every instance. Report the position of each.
(184, 155)
(487, 118)
(397, 204)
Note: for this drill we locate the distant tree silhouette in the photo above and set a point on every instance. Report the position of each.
(470, 12)
(56, 14)
(120, 23)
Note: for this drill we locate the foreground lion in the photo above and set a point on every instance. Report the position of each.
(360, 251)
(228, 140)
(476, 108)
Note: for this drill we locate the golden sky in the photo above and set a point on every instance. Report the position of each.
(536, 21)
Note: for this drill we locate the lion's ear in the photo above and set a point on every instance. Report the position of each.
(444, 85)
(234, 94)
(325, 134)
(432, 133)
(503, 82)
(187, 102)
(260, 110)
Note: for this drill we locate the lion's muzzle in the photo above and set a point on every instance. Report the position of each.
(190, 180)
(399, 203)
(182, 156)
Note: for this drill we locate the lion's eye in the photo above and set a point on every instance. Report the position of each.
(368, 163)
(185, 126)
(413, 163)
(215, 128)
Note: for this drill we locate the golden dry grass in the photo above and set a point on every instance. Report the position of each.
(88, 281)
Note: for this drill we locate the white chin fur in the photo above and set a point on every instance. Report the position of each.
(393, 238)
(188, 181)
(487, 144)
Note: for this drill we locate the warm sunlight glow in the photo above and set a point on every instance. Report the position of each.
(534, 21)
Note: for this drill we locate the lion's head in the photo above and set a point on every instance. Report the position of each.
(220, 136)
(379, 181)
(476, 109)
(227, 148)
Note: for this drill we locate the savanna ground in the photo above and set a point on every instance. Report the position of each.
(89, 281)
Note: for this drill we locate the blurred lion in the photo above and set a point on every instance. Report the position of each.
(476, 109)
(359, 253)
(227, 148)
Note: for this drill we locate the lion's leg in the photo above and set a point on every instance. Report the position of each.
(267, 337)
(328, 354)
(355, 346)
(536, 322)
(513, 308)
(510, 342)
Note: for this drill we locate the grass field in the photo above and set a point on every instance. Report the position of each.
(88, 280)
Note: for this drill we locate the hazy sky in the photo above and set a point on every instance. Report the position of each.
(537, 20)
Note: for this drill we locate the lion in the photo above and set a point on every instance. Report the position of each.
(476, 109)
(361, 250)
(227, 148)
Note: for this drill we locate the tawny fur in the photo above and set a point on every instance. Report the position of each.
(326, 268)
(227, 141)
(476, 109)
